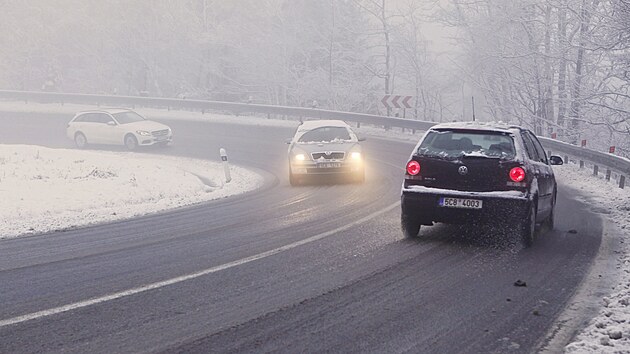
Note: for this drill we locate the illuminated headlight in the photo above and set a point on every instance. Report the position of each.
(300, 157)
(143, 132)
(355, 156)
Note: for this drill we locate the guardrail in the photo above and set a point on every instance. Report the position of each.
(234, 107)
(610, 162)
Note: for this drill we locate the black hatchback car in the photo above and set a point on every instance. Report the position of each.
(469, 172)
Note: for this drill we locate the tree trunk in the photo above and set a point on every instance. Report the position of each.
(387, 54)
(548, 108)
(576, 90)
(562, 70)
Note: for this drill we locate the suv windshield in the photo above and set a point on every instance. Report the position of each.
(450, 144)
(128, 117)
(325, 134)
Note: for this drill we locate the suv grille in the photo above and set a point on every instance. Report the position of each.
(332, 156)
(160, 132)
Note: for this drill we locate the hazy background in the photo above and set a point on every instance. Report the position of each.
(553, 65)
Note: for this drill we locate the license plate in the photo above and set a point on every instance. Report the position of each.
(329, 165)
(460, 203)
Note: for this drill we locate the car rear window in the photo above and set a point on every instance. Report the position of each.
(453, 144)
(325, 134)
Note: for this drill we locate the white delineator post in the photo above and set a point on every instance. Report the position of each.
(226, 167)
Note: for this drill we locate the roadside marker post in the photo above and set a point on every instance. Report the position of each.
(226, 167)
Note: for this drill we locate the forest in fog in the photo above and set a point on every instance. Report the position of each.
(555, 66)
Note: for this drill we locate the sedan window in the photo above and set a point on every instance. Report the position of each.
(102, 118)
(128, 117)
(455, 144)
(325, 134)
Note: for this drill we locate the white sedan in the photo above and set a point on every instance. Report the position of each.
(117, 126)
(325, 148)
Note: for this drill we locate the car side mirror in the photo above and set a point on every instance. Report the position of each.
(555, 160)
(111, 123)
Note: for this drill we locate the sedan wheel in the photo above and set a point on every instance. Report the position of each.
(410, 226)
(131, 142)
(80, 140)
(293, 180)
(360, 176)
(528, 227)
(549, 223)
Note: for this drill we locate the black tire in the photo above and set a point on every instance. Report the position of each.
(410, 226)
(360, 176)
(528, 226)
(131, 142)
(293, 180)
(80, 140)
(549, 222)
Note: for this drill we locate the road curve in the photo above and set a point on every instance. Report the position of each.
(312, 268)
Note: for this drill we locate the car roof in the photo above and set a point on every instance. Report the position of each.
(106, 110)
(485, 126)
(312, 124)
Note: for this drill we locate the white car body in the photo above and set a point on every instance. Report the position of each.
(331, 148)
(117, 127)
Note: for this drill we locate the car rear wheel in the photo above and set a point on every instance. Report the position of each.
(131, 142)
(549, 222)
(528, 226)
(80, 140)
(410, 226)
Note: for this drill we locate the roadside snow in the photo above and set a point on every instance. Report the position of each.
(45, 189)
(609, 331)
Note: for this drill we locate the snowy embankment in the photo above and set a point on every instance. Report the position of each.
(609, 331)
(45, 189)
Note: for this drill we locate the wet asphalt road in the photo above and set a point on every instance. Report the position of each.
(337, 276)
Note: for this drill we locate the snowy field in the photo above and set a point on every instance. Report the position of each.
(45, 189)
(62, 189)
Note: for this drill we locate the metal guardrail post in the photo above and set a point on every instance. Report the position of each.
(622, 181)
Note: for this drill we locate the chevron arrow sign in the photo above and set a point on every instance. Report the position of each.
(396, 101)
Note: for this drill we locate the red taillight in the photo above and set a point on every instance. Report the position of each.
(413, 167)
(517, 174)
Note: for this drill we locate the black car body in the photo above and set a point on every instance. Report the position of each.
(468, 172)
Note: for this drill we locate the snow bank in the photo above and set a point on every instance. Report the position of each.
(609, 331)
(45, 189)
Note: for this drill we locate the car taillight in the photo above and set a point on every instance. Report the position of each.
(413, 167)
(517, 174)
